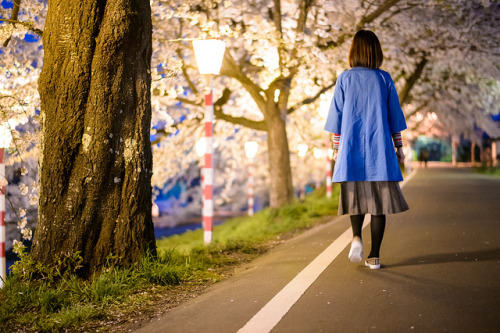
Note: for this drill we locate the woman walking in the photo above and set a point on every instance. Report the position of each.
(366, 119)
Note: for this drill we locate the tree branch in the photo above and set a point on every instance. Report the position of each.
(277, 22)
(404, 96)
(190, 102)
(219, 114)
(364, 21)
(15, 9)
(420, 108)
(256, 125)
(28, 25)
(231, 69)
(185, 73)
(13, 19)
(376, 13)
(312, 99)
(304, 7)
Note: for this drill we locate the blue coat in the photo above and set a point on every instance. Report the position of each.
(365, 111)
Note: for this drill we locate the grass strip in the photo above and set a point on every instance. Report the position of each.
(63, 302)
(492, 171)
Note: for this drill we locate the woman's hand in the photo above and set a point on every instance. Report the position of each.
(335, 153)
(400, 154)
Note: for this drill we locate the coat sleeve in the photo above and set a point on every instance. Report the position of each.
(397, 122)
(334, 119)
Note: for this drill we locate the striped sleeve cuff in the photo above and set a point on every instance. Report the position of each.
(336, 140)
(398, 140)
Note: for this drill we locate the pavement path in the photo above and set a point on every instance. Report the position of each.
(441, 272)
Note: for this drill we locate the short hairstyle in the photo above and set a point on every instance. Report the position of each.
(365, 50)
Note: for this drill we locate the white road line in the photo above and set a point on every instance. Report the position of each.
(272, 313)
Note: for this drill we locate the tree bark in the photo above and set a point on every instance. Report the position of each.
(95, 162)
(404, 95)
(280, 172)
(281, 191)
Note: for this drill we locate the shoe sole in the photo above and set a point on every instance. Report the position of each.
(372, 266)
(356, 252)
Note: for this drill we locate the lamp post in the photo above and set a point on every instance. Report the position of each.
(200, 146)
(329, 156)
(324, 109)
(454, 147)
(209, 54)
(473, 153)
(494, 161)
(302, 153)
(251, 148)
(5, 139)
(318, 154)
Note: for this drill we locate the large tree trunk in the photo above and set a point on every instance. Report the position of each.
(96, 160)
(281, 191)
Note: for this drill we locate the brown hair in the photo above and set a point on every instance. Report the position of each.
(365, 50)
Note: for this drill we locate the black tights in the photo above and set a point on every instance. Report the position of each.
(377, 231)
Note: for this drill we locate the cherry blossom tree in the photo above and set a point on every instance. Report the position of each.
(95, 156)
(457, 51)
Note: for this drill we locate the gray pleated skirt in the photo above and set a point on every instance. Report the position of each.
(376, 198)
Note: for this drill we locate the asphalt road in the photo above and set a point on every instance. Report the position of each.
(441, 272)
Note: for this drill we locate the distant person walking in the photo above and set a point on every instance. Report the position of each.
(366, 118)
(423, 156)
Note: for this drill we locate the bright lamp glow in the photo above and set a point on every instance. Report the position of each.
(155, 211)
(318, 153)
(302, 149)
(5, 136)
(200, 147)
(209, 54)
(330, 153)
(251, 148)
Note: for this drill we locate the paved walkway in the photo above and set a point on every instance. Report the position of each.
(441, 272)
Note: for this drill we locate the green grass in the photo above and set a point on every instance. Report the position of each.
(261, 227)
(39, 298)
(489, 171)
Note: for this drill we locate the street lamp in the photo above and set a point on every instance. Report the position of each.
(251, 148)
(329, 156)
(454, 147)
(209, 55)
(5, 139)
(302, 153)
(324, 108)
(318, 154)
(200, 147)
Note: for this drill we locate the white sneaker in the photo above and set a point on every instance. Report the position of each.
(373, 263)
(356, 252)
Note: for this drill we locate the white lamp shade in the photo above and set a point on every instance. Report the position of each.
(302, 149)
(5, 136)
(200, 147)
(209, 54)
(251, 148)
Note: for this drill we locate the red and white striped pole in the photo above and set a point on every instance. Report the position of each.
(328, 170)
(250, 187)
(454, 147)
(208, 171)
(209, 54)
(3, 262)
(251, 148)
